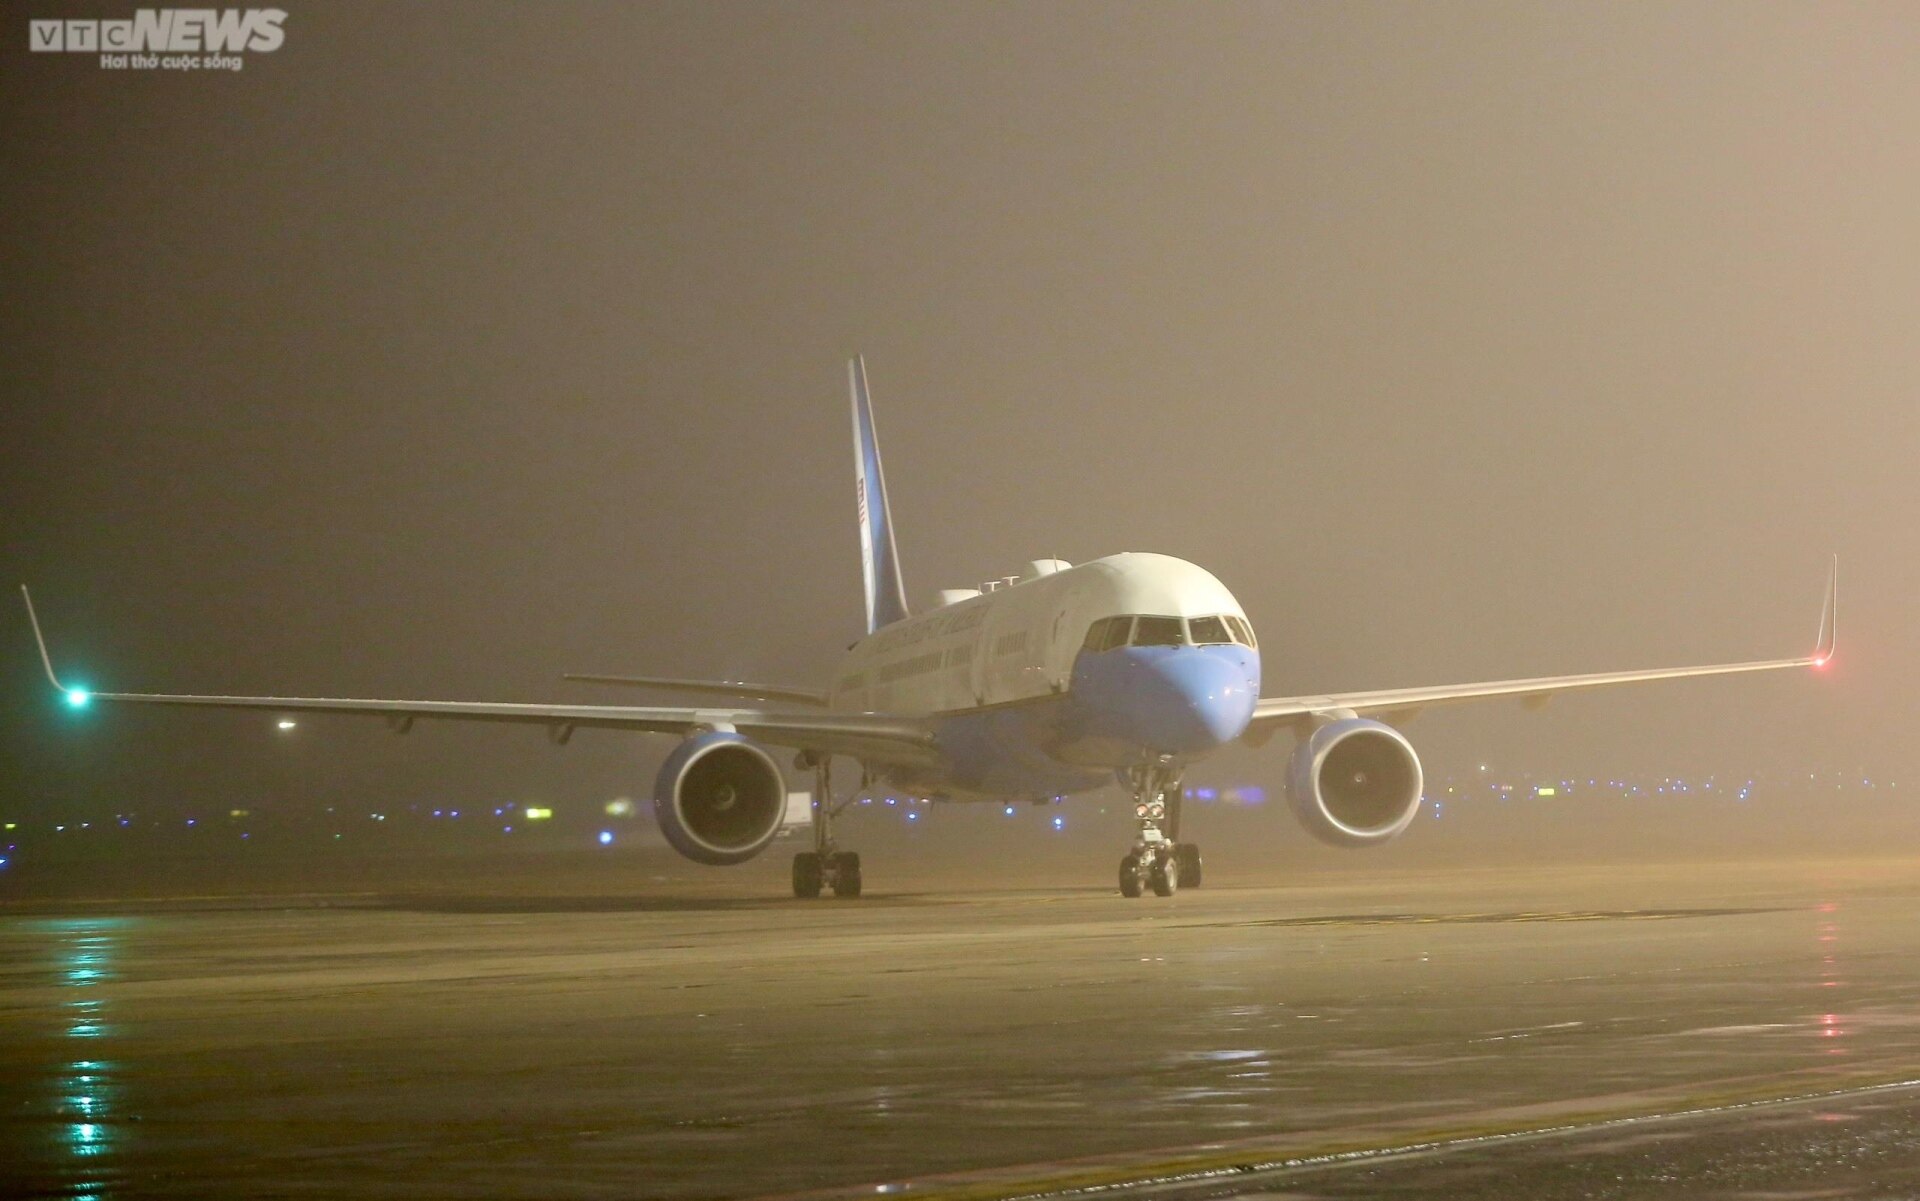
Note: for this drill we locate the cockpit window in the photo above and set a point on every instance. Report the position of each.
(1144, 630)
(1108, 633)
(1208, 631)
(1159, 631)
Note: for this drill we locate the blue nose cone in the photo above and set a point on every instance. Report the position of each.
(1192, 699)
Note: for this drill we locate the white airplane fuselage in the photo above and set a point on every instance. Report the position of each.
(1027, 706)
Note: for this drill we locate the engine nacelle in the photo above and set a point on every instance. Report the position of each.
(719, 799)
(1355, 783)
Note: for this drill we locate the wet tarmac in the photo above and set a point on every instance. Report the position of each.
(1859, 1143)
(694, 1040)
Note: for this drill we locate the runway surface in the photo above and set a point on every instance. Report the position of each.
(1245, 1039)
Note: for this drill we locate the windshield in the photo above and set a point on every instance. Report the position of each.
(1208, 631)
(1108, 633)
(1155, 630)
(1159, 631)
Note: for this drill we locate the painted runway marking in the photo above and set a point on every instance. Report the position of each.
(1435, 919)
(1254, 1173)
(1525, 1032)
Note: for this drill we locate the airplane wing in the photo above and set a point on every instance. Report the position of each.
(878, 737)
(1400, 704)
(758, 692)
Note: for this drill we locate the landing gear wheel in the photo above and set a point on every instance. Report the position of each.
(806, 874)
(1130, 876)
(846, 874)
(1187, 855)
(1164, 876)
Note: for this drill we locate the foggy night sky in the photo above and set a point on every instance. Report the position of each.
(449, 348)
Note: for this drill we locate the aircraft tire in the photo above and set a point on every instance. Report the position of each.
(846, 874)
(806, 874)
(1130, 876)
(1164, 876)
(1187, 855)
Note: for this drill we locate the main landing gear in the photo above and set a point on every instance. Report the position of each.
(825, 866)
(1158, 860)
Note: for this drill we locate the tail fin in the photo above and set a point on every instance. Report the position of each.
(886, 595)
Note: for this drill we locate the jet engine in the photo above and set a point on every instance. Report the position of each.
(719, 799)
(1355, 783)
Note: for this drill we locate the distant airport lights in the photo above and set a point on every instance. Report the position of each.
(285, 723)
(1674, 787)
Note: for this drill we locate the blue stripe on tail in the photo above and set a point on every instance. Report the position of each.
(879, 559)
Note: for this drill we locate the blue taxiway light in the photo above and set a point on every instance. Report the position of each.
(606, 837)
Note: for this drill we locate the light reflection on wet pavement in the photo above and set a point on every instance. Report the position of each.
(63, 1119)
(562, 1047)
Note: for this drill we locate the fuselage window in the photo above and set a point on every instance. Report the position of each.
(1159, 631)
(903, 668)
(1208, 631)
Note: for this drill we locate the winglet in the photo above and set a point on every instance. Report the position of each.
(41, 639)
(1823, 647)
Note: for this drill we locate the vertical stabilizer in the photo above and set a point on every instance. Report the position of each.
(886, 595)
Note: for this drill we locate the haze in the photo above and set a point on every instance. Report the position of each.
(449, 348)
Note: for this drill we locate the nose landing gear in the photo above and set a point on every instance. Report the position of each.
(1158, 860)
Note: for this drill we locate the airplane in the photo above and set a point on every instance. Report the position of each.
(1035, 686)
